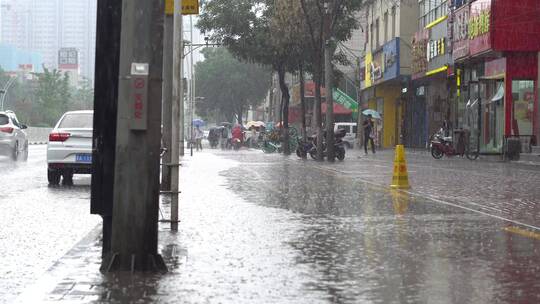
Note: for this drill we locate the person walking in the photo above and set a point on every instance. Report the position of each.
(369, 133)
(198, 138)
(253, 137)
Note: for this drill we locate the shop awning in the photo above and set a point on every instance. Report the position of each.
(338, 109)
(499, 96)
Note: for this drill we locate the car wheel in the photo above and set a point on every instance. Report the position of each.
(25, 153)
(53, 177)
(67, 177)
(15, 152)
(341, 154)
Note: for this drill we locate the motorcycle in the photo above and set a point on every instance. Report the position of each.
(236, 143)
(441, 145)
(339, 146)
(304, 147)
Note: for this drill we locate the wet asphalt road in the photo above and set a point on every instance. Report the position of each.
(258, 228)
(39, 223)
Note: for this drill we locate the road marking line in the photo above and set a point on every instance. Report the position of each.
(523, 232)
(429, 197)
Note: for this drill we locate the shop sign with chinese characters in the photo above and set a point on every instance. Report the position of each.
(479, 27)
(436, 48)
(460, 39)
(419, 49)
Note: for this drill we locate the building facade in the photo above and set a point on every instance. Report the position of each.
(47, 26)
(387, 64)
(430, 103)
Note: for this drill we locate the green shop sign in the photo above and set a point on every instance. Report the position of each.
(346, 101)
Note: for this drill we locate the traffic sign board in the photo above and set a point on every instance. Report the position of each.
(189, 7)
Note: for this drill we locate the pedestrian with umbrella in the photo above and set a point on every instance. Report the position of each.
(198, 133)
(198, 138)
(369, 133)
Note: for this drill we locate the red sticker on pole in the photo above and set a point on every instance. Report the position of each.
(139, 96)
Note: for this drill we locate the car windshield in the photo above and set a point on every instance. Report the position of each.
(4, 120)
(76, 121)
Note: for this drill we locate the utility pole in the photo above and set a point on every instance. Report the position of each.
(177, 111)
(328, 83)
(179, 56)
(108, 32)
(136, 183)
(192, 84)
(359, 118)
(167, 100)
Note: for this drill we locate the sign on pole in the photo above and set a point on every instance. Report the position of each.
(189, 7)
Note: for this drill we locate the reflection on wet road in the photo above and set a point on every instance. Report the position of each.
(259, 228)
(365, 243)
(39, 223)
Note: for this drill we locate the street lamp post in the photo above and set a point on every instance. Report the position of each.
(4, 91)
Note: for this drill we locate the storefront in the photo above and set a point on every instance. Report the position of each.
(382, 74)
(498, 71)
(432, 80)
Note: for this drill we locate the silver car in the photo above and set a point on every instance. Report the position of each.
(69, 150)
(13, 141)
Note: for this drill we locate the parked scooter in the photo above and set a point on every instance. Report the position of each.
(304, 147)
(339, 146)
(441, 145)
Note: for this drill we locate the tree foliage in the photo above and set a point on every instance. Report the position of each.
(249, 29)
(40, 100)
(228, 85)
(53, 95)
(283, 34)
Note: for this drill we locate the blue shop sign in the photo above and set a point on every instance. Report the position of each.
(391, 59)
(384, 64)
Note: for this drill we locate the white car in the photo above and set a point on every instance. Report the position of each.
(69, 150)
(351, 130)
(13, 141)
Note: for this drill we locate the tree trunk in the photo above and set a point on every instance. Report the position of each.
(303, 102)
(318, 117)
(239, 116)
(285, 97)
(329, 103)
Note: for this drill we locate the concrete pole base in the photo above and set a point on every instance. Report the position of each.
(132, 263)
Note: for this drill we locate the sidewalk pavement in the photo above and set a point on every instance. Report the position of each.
(217, 256)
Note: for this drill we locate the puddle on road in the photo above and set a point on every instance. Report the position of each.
(366, 244)
(253, 231)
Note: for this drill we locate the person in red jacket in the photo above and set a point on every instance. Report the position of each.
(237, 133)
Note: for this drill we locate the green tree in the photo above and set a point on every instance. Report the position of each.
(228, 85)
(282, 34)
(19, 96)
(53, 95)
(83, 96)
(246, 27)
(327, 22)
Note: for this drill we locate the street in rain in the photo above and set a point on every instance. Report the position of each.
(308, 151)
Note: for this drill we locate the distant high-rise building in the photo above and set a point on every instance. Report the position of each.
(46, 26)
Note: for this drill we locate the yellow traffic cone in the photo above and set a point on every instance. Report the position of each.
(400, 180)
